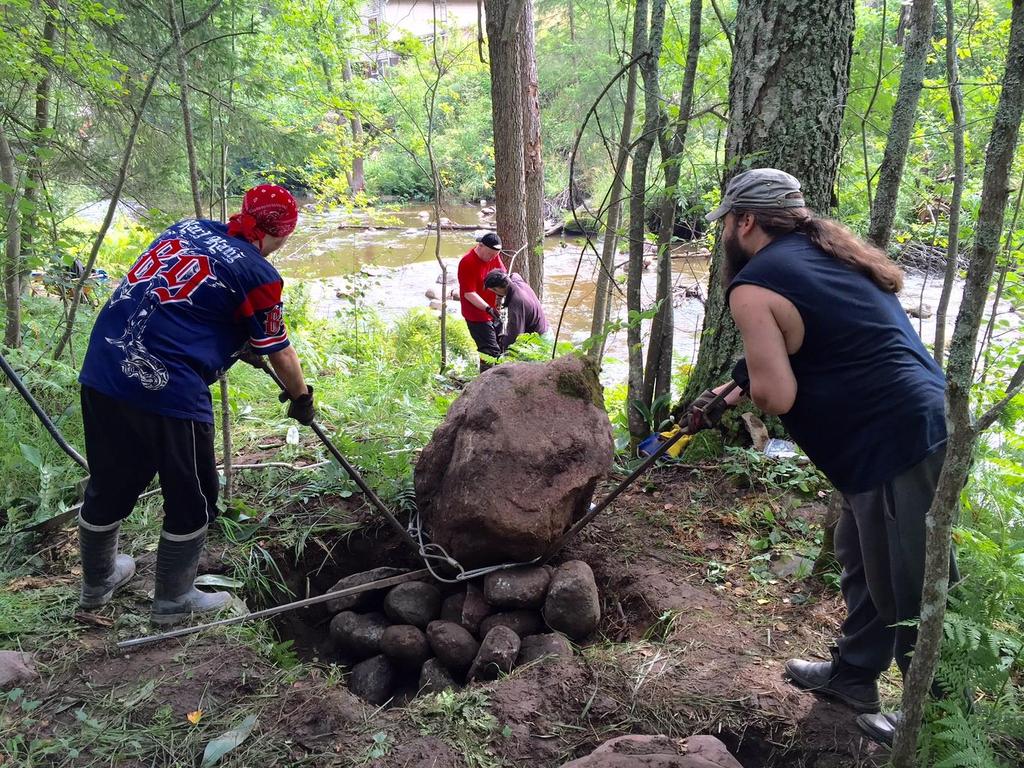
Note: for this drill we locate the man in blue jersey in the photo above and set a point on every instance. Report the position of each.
(202, 292)
(829, 349)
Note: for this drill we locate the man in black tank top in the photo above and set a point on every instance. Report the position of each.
(829, 349)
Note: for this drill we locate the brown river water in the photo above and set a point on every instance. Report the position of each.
(396, 267)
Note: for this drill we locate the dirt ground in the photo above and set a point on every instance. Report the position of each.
(690, 642)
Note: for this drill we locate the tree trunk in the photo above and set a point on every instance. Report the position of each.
(435, 178)
(505, 45)
(533, 164)
(651, 45)
(962, 433)
(782, 48)
(904, 113)
(186, 111)
(12, 248)
(658, 374)
(357, 182)
(956, 101)
(36, 181)
(1009, 265)
(865, 118)
(606, 264)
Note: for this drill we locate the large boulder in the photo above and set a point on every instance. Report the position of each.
(515, 461)
(658, 752)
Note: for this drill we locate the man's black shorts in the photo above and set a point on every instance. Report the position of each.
(127, 447)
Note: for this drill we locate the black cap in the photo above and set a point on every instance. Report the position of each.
(491, 240)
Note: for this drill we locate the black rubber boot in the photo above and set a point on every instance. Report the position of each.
(855, 687)
(175, 597)
(103, 569)
(880, 727)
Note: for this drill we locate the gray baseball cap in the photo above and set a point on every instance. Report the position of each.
(759, 188)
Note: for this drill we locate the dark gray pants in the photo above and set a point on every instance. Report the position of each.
(485, 335)
(880, 542)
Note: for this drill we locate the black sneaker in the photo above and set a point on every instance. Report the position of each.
(855, 687)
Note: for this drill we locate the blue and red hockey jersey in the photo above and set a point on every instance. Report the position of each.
(184, 309)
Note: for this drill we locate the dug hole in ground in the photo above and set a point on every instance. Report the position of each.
(689, 626)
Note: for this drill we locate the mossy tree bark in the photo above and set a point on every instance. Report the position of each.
(787, 93)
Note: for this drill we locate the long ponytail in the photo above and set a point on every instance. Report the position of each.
(835, 239)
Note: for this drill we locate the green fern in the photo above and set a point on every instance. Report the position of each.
(980, 730)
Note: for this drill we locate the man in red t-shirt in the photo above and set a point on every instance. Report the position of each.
(479, 305)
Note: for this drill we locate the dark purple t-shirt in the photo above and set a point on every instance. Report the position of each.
(525, 313)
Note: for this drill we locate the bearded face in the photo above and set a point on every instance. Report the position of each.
(735, 256)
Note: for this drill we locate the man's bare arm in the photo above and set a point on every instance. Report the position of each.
(476, 300)
(286, 365)
(772, 383)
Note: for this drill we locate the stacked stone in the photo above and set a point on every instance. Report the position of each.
(414, 633)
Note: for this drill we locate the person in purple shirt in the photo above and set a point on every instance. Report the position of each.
(525, 313)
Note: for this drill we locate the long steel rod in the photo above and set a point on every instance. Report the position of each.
(37, 409)
(390, 581)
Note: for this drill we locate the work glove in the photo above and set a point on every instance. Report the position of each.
(704, 412)
(248, 355)
(300, 408)
(495, 315)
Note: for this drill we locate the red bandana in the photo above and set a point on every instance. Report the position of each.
(266, 210)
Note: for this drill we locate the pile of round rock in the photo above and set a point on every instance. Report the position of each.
(417, 637)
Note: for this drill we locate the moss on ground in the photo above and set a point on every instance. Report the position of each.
(704, 446)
